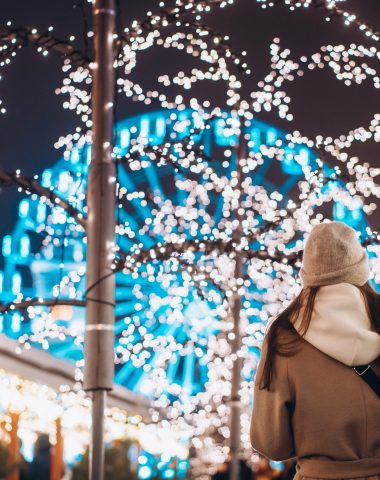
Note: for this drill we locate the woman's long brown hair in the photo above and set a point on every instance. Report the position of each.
(287, 347)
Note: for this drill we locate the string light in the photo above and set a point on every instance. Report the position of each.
(331, 10)
(39, 406)
(183, 244)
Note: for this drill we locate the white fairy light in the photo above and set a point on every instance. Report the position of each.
(189, 242)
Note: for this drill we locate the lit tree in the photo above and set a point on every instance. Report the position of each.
(232, 246)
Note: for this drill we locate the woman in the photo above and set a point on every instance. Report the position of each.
(309, 402)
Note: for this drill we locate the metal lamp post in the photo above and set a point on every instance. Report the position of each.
(235, 307)
(101, 198)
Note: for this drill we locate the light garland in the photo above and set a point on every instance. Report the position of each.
(331, 10)
(39, 407)
(190, 245)
(31, 186)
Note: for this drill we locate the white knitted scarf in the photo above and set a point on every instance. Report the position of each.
(340, 326)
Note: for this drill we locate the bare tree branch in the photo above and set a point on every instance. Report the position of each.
(20, 37)
(38, 302)
(32, 186)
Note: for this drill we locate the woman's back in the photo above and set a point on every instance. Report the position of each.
(309, 402)
(320, 410)
(336, 414)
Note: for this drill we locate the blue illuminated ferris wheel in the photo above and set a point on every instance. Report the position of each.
(45, 249)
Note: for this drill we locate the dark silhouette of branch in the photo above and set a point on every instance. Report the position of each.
(38, 302)
(32, 186)
(21, 37)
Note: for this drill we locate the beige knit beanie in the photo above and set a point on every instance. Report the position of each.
(333, 254)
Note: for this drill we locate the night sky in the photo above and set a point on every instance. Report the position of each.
(321, 104)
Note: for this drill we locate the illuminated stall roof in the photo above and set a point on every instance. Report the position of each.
(41, 367)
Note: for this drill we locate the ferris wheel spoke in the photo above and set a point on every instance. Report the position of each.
(125, 309)
(126, 180)
(165, 332)
(126, 217)
(67, 350)
(218, 209)
(129, 373)
(174, 372)
(127, 280)
(124, 372)
(124, 293)
(154, 182)
(173, 367)
(125, 243)
(219, 199)
(137, 375)
(120, 325)
(188, 375)
(145, 239)
(181, 193)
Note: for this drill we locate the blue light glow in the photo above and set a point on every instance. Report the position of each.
(16, 322)
(125, 138)
(16, 283)
(170, 473)
(41, 213)
(24, 246)
(352, 216)
(7, 245)
(271, 136)
(75, 156)
(145, 472)
(152, 308)
(143, 459)
(23, 208)
(46, 178)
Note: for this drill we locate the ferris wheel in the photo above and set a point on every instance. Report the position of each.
(164, 309)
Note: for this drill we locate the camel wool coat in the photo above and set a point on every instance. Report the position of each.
(320, 411)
